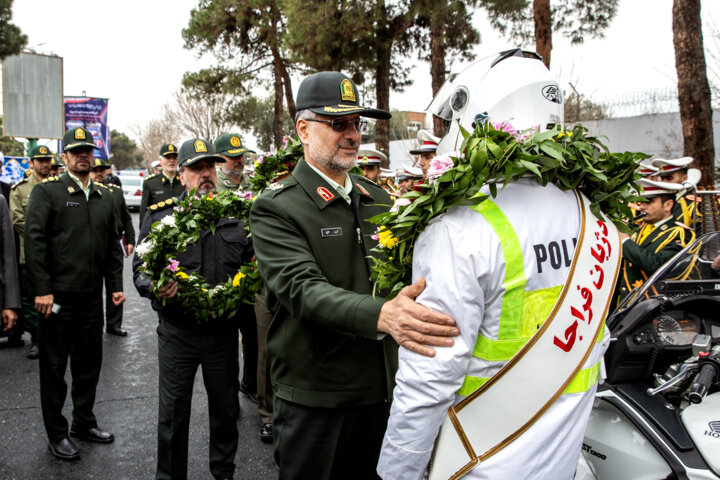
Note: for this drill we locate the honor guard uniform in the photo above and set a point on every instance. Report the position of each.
(686, 209)
(427, 147)
(407, 177)
(660, 237)
(71, 245)
(370, 160)
(164, 185)
(231, 174)
(40, 162)
(114, 313)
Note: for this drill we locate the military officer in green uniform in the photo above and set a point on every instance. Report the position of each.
(230, 173)
(71, 244)
(164, 185)
(658, 239)
(40, 160)
(114, 313)
(56, 167)
(332, 367)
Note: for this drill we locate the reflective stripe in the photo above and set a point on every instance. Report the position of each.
(583, 381)
(521, 312)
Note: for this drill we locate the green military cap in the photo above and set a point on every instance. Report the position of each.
(40, 151)
(168, 149)
(230, 145)
(334, 94)
(197, 149)
(100, 163)
(77, 138)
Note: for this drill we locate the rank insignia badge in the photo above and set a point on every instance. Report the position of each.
(325, 194)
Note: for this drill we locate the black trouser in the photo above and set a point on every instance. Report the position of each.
(180, 352)
(29, 317)
(74, 332)
(264, 386)
(248, 329)
(113, 314)
(327, 443)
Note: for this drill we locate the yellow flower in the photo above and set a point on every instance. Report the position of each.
(562, 134)
(386, 239)
(236, 281)
(182, 276)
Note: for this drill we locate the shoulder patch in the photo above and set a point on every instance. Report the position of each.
(275, 186)
(162, 205)
(51, 179)
(19, 182)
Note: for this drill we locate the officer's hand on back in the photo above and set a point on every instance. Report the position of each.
(9, 317)
(413, 326)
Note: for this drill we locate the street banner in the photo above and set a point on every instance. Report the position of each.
(90, 113)
(13, 169)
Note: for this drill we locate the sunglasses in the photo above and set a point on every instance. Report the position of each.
(342, 124)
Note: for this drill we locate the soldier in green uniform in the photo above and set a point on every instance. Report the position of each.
(114, 313)
(164, 185)
(40, 160)
(71, 244)
(332, 367)
(658, 239)
(230, 173)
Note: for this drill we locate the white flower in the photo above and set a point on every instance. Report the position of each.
(168, 221)
(145, 247)
(400, 202)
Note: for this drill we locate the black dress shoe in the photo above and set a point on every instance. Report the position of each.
(266, 433)
(64, 449)
(93, 435)
(117, 331)
(33, 352)
(247, 391)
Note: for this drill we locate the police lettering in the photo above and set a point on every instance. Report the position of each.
(557, 253)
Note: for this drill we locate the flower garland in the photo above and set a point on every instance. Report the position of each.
(269, 166)
(174, 233)
(495, 155)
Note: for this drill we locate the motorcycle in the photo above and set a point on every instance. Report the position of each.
(657, 414)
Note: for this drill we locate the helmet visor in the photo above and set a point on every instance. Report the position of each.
(440, 105)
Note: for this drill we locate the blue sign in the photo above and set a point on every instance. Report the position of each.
(90, 113)
(13, 169)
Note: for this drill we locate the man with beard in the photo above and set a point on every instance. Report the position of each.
(231, 173)
(40, 159)
(332, 366)
(71, 243)
(164, 185)
(185, 342)
(99, 175)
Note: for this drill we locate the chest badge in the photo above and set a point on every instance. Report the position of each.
(331, 232)
(362, 190)
(325, 194)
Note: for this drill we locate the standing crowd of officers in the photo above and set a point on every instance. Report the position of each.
(328, 343)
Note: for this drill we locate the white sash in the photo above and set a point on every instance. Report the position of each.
(509, 403)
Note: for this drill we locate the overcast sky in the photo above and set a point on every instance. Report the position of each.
(132, 52)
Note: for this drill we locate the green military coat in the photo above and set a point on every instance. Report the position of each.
(313, 252)
(642, 258)
(226, 183)
(157, 188)
(71, 242)
(19, 198)
(122, 214)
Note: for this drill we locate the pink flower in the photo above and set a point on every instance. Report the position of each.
(400, 202)
(286, 140)
(519, 136)
(210, 196)
(174, 264)
(243, 195)
(439, 165)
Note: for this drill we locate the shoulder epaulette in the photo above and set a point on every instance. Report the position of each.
(151, 176)
(278, 187)
(19, 182)
(51, 179)
(162, 205)
(102, 185)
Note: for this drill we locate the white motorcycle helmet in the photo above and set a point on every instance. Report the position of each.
(513, 86)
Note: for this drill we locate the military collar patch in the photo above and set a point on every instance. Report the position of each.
(362, 190)
(325, 194)
(71, 189)
(664, 227)
(275, 186)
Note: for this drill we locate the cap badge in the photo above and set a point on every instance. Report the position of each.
(79, 134)
(43, 150)
(235, 141)
(98, 162)
(200, 146)
(347, 92)
(171, 148)
(325, 194)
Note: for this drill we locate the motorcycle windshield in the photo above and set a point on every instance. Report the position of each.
(698, 261)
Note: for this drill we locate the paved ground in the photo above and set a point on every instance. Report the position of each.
(126, 405)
